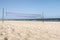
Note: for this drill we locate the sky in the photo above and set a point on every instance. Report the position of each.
(15, 8)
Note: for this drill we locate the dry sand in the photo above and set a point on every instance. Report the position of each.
(29, 30)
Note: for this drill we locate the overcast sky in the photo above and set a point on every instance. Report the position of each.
(51, 8)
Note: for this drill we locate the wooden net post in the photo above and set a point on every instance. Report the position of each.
(3, 15)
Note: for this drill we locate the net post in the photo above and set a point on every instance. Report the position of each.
(3, 15)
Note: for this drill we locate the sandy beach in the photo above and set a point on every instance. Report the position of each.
(29, 30)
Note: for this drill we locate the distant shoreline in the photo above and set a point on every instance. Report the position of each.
(46, 19)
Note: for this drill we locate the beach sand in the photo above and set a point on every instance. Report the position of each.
(29, 30)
